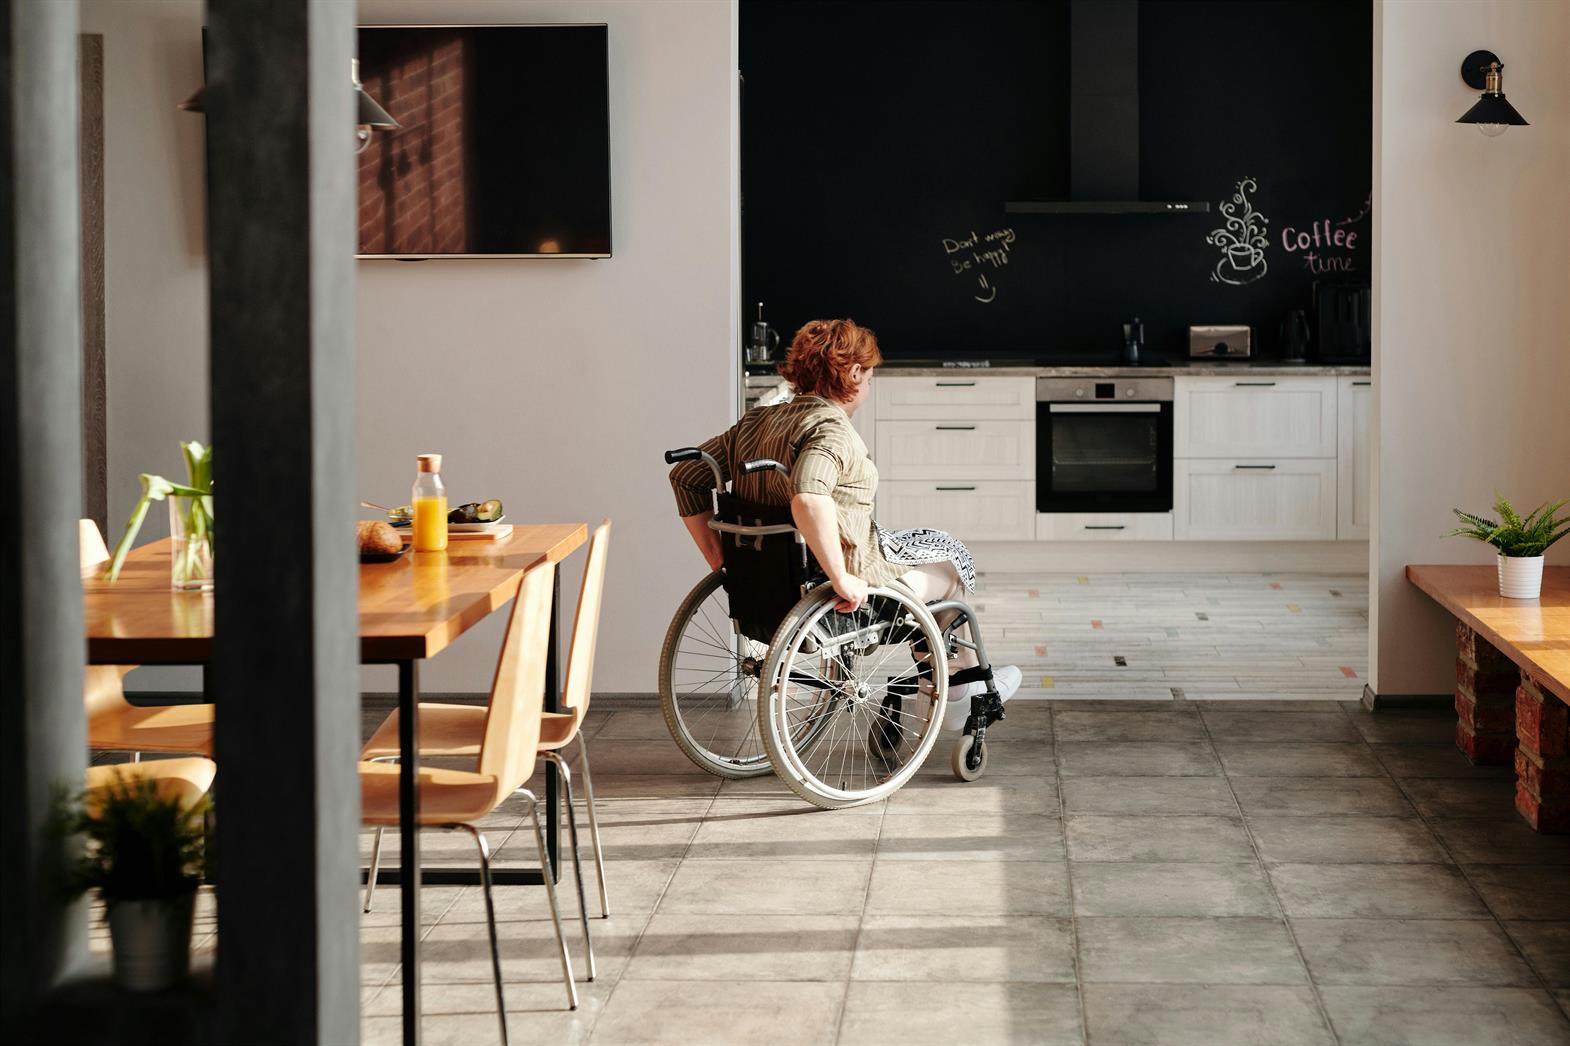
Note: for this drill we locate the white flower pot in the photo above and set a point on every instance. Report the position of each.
(151, 942)
(1520, 577)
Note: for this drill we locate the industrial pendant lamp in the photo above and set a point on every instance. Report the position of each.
(368, 116)
(1492, 114)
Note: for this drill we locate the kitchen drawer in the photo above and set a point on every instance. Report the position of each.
(1254, 500)
(1104, 526)
(959, 396)
(962, 451)
(1227, 417)
(971, 511)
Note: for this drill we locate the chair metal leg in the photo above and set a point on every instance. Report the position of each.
(376, 864)
(594, 825)
(550, 893)
(490, 921)
(577, 865)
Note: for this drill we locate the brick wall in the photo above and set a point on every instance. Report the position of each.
(412, 181)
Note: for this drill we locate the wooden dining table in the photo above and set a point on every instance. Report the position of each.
(411, 609)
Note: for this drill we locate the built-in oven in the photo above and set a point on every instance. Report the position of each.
(1104, 445)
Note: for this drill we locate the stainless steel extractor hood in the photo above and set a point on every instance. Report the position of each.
(1104, 118)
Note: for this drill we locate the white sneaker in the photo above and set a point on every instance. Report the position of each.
(1006, 679)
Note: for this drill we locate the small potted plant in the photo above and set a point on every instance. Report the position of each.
(1520, 542)
(145, 853)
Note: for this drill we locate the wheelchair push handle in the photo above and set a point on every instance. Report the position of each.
(697, 454)
(763, 465)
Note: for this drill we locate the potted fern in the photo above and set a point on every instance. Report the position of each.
(145, 853)
(1520, 542)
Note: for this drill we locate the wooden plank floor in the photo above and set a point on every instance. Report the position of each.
(1164, 637)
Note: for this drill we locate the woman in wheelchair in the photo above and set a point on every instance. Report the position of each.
(799, 475)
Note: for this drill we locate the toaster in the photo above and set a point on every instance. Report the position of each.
(1216, 342)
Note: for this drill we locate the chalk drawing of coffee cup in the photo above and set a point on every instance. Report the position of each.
(1241, 240)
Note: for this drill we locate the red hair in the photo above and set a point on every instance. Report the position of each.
(822, 353)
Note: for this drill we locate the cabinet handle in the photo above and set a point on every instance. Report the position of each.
(1362, 383)
(956, 428)
(1105, 526)
(1253, 384)
(1253, 466)
(956, 384)
(956, 488)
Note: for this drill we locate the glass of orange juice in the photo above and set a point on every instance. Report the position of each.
(430, 505)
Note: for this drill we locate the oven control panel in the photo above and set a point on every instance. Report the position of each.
(1090, 390)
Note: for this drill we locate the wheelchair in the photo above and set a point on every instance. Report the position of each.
(760, 673)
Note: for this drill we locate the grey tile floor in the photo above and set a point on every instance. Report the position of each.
(1128, 872)
(1211, 845)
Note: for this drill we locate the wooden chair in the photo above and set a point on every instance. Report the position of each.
(113, 723)
(184, 779)
(456, 799)
(456, 730)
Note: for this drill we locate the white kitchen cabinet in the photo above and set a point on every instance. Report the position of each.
(1234, 417)
(958, 397)
(956, 451)
(1355, 399)
(1254, 500)
(1104, 526)
(980, 510)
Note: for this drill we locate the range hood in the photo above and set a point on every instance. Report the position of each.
(1104, 118)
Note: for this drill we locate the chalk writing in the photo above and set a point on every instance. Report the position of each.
(1242, 240)
(975, 252)
(1326, 246)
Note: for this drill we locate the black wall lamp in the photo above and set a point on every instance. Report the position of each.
(369, 116)
(1482, 71)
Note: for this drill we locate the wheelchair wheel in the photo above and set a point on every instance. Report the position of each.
(709, 685)
(841, 719)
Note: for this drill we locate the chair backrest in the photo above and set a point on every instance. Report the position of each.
(512, 726)
(763, 575)
(586, 625)
(102, 686)
(94, 552)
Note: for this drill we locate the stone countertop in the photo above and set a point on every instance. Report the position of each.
(1201, 369)
(1196, 368)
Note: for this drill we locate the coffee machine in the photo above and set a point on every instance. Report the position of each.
(762, 339)
(1133, 341)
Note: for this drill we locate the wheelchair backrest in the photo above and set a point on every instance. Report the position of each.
(764, 573)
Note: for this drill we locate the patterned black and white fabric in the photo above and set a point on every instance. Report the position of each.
(922, 545)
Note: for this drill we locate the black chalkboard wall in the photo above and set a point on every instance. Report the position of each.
(878, 138)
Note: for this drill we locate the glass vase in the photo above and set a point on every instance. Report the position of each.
(191, 555)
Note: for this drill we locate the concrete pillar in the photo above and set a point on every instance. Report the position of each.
(281, 241)
(43, 736)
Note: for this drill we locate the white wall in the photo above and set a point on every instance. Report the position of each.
(550, 384)
(1471, 303)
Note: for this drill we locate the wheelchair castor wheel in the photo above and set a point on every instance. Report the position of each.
(969, 758)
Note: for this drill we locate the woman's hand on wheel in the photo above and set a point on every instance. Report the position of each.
(852, 592)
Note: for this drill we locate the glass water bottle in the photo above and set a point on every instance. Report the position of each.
(430, 505)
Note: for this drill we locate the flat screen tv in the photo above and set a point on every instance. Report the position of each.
(504, 148)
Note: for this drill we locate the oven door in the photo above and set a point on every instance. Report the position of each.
(1104, 457)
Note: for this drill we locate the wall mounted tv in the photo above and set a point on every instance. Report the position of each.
(504, 149)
